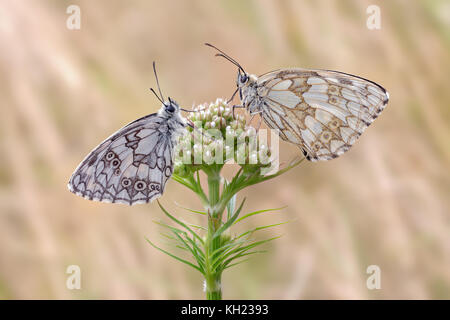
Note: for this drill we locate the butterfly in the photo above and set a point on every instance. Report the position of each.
(133, 165)
(322, 111)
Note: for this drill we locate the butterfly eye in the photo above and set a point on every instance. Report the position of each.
(170, 108)
(243, 78)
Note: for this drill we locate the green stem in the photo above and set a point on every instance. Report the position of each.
(213, 288)
(212, 276)
(214, 190)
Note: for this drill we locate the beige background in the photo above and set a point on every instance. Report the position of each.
(386, 202)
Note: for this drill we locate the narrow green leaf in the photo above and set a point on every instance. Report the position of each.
(257, 212)
(179, 246)
(199, 187)
(178, 241)
(172, 241)
(190, 210)
(261, 228)
(228, 265)
(179, 232)
(237, 251)
(163, 224)
(231, 206)
(198, 254)
(194, 245)
(291, 165)
(228, 245)
(197, 226)
(193, 185)
(229, 222)
(183, 181)
(236, 263)
(168, 236)
(233, 182)
(193, 251)
(221, 253)
(179, 222)
(175, 257)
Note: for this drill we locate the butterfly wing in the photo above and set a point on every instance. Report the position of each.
(132, 166)
(323, 112)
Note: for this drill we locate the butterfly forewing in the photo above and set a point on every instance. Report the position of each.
(321, 111)
(132, 166)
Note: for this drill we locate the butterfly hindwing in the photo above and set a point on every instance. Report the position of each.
(321, 111)
(132, 166)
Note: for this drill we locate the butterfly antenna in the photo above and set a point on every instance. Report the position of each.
(151, 89)
(185, 110)
(226, 56)
(157, 81)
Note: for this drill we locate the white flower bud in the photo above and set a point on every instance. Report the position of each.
(253, 158)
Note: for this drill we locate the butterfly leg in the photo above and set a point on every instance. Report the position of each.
(236, 106)
(260, 119)
(232, 97)
(190, 123)
(259, 123)
(251, 118)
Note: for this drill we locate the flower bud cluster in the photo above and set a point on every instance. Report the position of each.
(218, 136)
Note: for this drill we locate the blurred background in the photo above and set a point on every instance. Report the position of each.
(385, 202)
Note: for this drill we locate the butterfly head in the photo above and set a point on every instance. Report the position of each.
(244, 79)
(169, 108)
(247, 87)
(170, 111)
